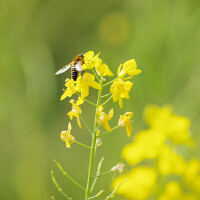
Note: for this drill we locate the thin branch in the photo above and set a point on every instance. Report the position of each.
(82, 144)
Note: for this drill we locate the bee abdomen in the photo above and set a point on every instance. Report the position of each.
(74, 73)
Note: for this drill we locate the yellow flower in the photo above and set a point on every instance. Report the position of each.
(125, 121)
(89, 60)
(65, 136)
(102, 69)
(140, 183)
(103, 118)
(175, 127)
(120, 89)
(129, 67)
(85, 82)
(70, 89)
(172, 192)
(169, 162)
(76, 110)
(146, 145)
(192, 176)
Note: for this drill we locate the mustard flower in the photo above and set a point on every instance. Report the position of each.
(120, 89)
(146, 145)
(169, 162)
(67, 137)
(129, 67)
(76, 110)
(102, 69)
(140, 183)
(70, 89)
(103, 118)
(124, 121)
(89, 60)
(175, 127)
(83, 84)
(192, 175)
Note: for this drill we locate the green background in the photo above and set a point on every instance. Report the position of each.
(38, 37)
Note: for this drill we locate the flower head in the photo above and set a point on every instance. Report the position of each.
(103, 118)
(83, 84)
(89, 60)
(140, 183)
(129, 67)
(76, 110)
(70, 89)
(120, 89)
(67, 137)
(124, 121)
(102, 69)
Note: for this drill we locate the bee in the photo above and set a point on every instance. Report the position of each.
(76, 67)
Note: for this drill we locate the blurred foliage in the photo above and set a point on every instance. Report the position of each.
(39, 37)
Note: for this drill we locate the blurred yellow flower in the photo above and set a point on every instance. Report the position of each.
(146, 145)
(169, 162)
(70, 89)
(192, 175)
(175, 127)
(85, 82)
(124, 121)
(173, 192)
(129, 67)
(67, 137)
(140, 183)
(120, 89)
(76, 110)
(103, 118)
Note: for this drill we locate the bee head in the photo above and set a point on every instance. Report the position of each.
(81, 55)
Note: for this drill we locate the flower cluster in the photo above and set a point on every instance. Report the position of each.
(166, 131)
(119, 89)
(80, 86)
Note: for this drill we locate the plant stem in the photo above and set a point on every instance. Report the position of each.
(102, 174)
(107, 100)
(82, 144)
(92, 153)
(108, 131)
(110, 82)
(86, 125)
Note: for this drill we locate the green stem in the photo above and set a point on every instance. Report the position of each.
(86, 125)
(74, 181)
(92, 153)
(87, 100)
(95, 74)
(108, 132)
(98, 171)
(82, 145)
(105, 95)
(107, 100)
(65, 174)
(56, 184)
(102, 174)
(110, 82)
(111, 195)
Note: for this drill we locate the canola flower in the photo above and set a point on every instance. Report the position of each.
(169, 176)
(94, 73)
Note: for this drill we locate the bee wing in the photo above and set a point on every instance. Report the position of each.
(65, 68)
(78, 67)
